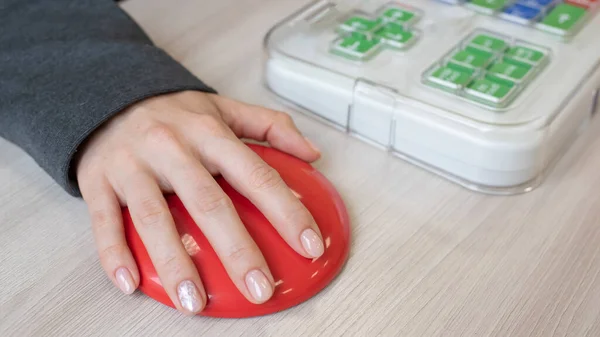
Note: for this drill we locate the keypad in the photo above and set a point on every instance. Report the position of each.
(558, 17)
(362, 36)
(488, 68)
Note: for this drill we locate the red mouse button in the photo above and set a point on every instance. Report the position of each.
(297, 278)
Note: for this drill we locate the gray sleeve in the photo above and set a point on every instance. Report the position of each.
(66, 66)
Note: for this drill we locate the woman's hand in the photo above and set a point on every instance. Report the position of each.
(176, 143)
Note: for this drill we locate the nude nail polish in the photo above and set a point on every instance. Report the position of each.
(312, 243)
(124, 280)
(259, 286)
(313, 146)
(189, 296)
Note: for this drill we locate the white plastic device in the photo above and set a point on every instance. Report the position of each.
(386, 101)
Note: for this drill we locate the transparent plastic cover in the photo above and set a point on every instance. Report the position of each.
(491, 70)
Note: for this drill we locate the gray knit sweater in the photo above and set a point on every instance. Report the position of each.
(66, 66)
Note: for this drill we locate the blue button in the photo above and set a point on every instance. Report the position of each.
(535, 3)
(545, 2)
(521, 11)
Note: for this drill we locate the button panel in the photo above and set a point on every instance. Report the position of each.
(559, 17)
(488, 69)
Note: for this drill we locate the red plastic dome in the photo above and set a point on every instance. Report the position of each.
(297, 278)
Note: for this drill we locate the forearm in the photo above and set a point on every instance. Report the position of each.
(68, 66)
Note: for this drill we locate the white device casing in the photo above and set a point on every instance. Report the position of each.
(504, 151)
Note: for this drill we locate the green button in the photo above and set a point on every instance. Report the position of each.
(395, 35)
(488, 6)
(487, 91)
(524, 55)
(398, 15)
(478, 51)
(359, 24)
(470, 60)
(462, 69)
(517, 62)
(356, 46)
(509, 71)
(450, 79)
(562, 18)
(488, 43)
(503, 81)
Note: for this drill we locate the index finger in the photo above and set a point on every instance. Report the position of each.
(263, 124)
(263, 186)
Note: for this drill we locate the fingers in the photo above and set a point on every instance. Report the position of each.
(262, 124)
(115, 256)
(167, 164)
(154, 224)
(263, 186)
(216, 216)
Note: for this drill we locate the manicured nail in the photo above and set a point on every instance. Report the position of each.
(259, 286)
(312, 243)
(189, 296)
(124, 280)
(313, 146)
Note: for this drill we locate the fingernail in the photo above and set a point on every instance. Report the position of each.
(189, 296)
(312, 145)
(312, 243)
(259, 286)
(124, 280)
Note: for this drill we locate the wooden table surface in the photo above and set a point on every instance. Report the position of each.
(428, 258)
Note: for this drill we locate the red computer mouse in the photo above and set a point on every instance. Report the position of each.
(296, 278)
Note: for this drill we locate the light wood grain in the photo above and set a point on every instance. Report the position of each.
(428, 258)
